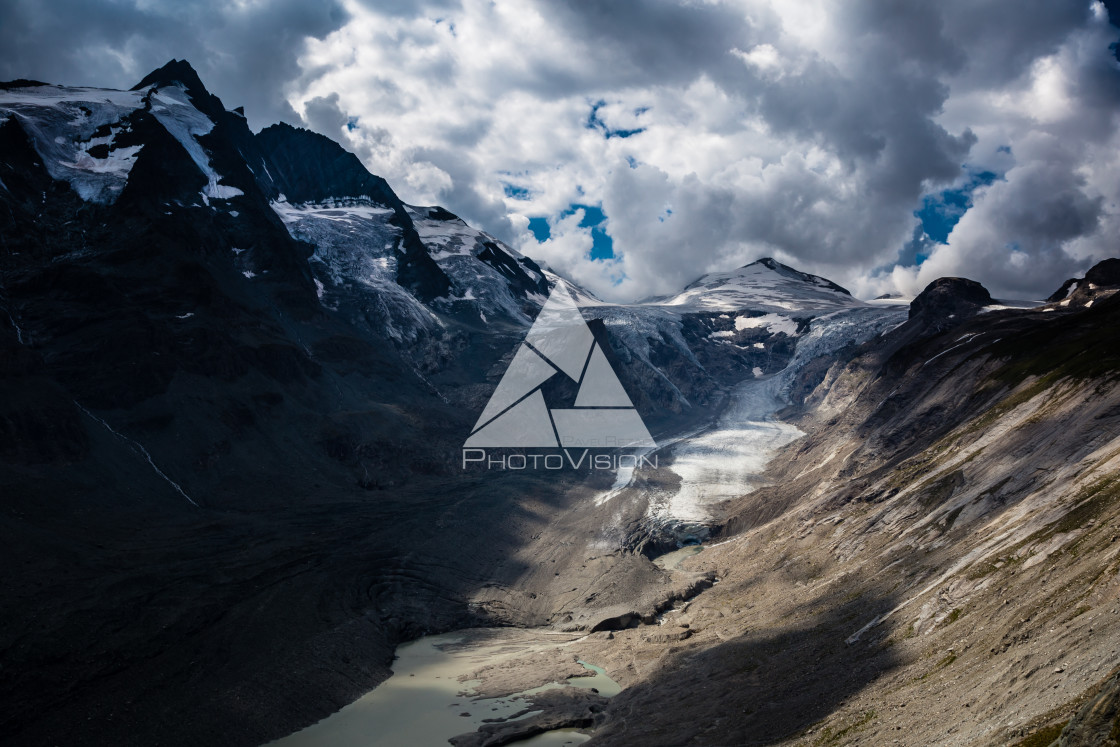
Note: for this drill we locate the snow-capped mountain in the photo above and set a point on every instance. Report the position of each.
(765, 285)
(289, 223)
(357, 243)
(419, 276)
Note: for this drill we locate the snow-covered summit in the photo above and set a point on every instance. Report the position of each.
(91, 137)
(481, 268)
(765, 285)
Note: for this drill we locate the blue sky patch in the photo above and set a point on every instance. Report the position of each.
(595, 123)
(940, 212)
(539, 228)
(593, 215)
(515, 192)
(602, 245)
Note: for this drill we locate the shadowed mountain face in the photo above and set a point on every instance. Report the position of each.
(236, 372)
(945, 298)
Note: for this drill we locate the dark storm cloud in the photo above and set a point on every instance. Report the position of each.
(1003, 39)
(651, 41)
(244, 53)
(812, 132)
(410, 8)
(322, 114)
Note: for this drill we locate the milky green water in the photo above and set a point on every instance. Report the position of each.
(671, 561)
(423, 703)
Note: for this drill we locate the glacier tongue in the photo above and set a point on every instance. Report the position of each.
(727, 461)
(356, 246)
(730, 460)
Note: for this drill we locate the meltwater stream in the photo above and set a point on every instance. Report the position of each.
(424, 703)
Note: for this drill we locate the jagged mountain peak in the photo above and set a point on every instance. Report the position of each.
(180, 74)
(789, 272)
(1101, 279)
(315, 168)
(436, 212)
(174, 72)
(762, 268)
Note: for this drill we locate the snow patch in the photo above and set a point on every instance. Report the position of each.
(62, 124)
(186, 123)
(772, 322)
(757, 287)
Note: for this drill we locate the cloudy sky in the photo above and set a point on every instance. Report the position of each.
(636, 144)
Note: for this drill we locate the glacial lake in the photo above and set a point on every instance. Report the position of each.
(423, 703)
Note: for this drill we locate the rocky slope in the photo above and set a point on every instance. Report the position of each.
(935, 562)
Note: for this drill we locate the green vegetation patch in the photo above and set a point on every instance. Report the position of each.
(828, 736)
(1076, 346)
(1080, 611)
(934, 492)
(1044, 737)
(946, 661)
(991, 566)
(1091, 503)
